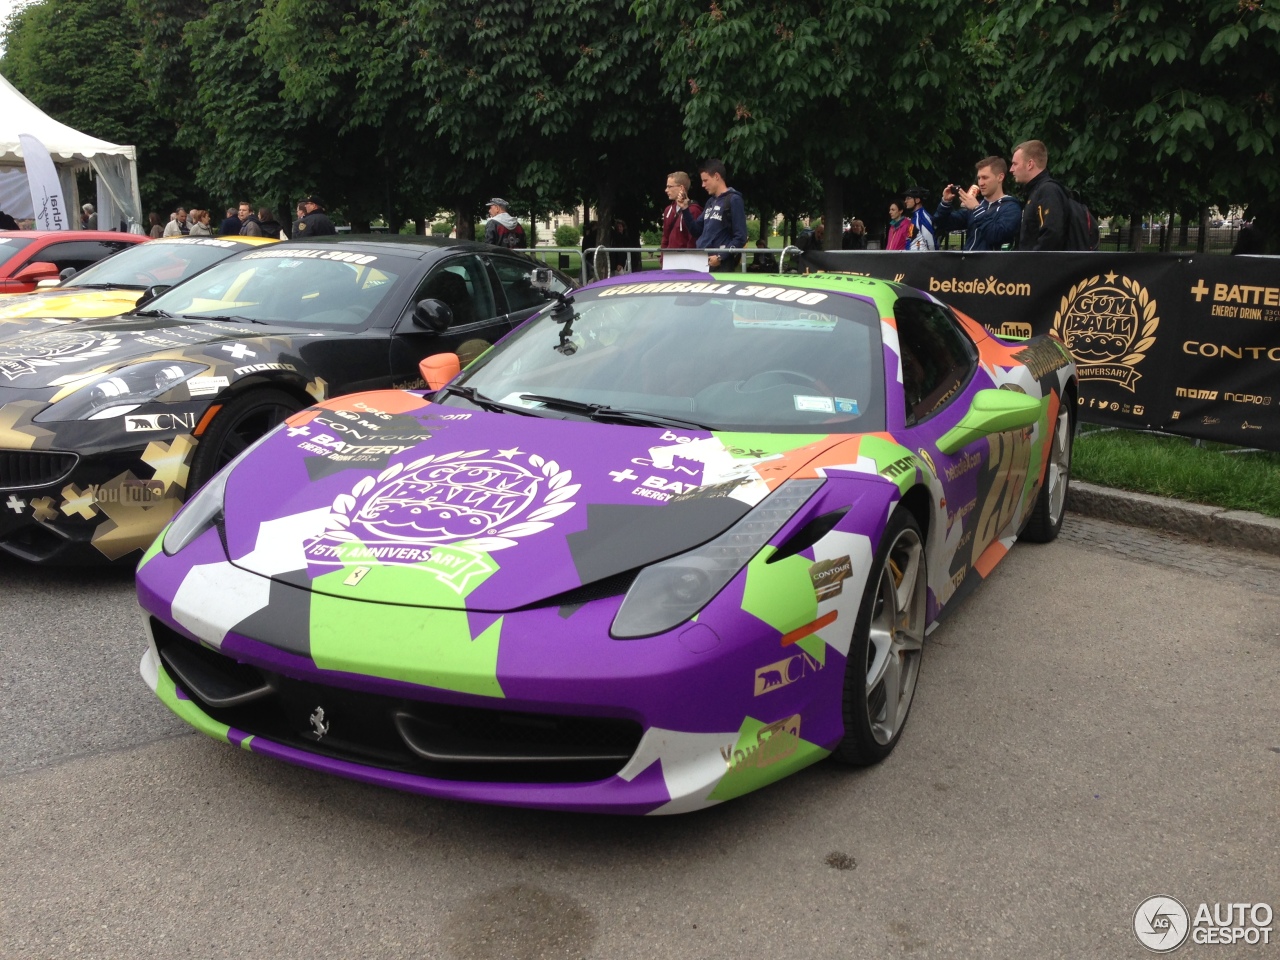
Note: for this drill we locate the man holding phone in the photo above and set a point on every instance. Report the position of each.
(676, 234)
(723, 222)
(989, 217)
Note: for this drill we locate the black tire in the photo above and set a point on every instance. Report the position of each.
(237, 425)
(1051, 503)
(888, 642)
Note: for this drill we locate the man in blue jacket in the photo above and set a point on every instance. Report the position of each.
(723, 221)
(989, 217)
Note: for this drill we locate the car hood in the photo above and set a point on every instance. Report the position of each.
(36, 311)
(49, 357)
(386, 497)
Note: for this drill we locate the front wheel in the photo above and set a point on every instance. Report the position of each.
(888, 640)
(1046, 516)
(237, 425)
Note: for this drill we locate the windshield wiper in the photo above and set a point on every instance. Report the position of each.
(604, 412)
(103, 286)
(226, 317)
(153, 313)
(486, 403)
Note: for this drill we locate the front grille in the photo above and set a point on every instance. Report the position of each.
(34, 468)
(398, 733)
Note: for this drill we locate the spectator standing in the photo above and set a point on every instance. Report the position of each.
(231, 225)
(1044, 218)
(676, 234)
(899, 234)
(855, 238)
(199, 224)
(88, 217)
(271, 227)
(989, 217)
(619, 260)
(177, 226)
(301, 212)
(250, 226)
(723, 221)
(8, 223)
(922, 236)
(156, 230)
(314, 222)
(812, 239)
(502, 229)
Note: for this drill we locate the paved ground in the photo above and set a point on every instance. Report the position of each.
(1098, 724)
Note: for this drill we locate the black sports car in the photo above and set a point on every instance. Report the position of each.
(106, 426)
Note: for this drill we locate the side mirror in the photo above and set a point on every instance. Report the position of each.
(35, 272)
(439, 368)
(151, 293)
(67, 273)
(433, 315)
(993, 411)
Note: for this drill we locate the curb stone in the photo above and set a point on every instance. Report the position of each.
(1231, 528)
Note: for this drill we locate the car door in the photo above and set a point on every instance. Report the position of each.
(514, 276)
(974, 483)
(462, 282)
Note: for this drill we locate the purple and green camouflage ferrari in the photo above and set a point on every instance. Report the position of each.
(669, 541)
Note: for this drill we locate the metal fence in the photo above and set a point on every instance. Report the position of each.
(596, 263)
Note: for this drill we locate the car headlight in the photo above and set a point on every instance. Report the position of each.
(666, 594)
(204, 509)
(115, 394)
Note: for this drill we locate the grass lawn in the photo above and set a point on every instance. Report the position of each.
(1176, 467)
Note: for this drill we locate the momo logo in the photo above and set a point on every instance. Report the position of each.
(46, 350)
(1191, 393)
(775, 676)
(1108, 323)
(1161, 924)
(471, 500)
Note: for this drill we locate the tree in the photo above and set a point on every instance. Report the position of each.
(77, 62)
(1163, 104)
(865, 96)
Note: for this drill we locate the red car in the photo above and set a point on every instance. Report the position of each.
(29, 256)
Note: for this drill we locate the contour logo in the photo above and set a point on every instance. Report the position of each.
(1161, 924)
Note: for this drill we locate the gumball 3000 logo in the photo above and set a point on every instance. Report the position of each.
(479, 499)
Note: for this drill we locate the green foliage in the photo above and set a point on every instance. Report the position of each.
(651, 238)
(753, 230)
(442, 228)
(567, 235)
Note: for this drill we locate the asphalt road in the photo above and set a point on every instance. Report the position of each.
(1099, 724)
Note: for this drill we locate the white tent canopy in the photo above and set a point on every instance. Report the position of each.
(114, 166)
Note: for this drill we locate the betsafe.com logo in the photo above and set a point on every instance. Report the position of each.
(1162, 924)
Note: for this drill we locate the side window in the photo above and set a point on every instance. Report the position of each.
(937, 358)
(463, 284)
(76, 253)
(516, 277)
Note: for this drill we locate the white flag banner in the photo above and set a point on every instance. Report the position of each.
(46, 192)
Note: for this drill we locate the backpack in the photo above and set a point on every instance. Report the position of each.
(1082, 225)
(512, 239)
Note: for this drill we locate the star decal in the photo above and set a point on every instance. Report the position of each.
(169, 461)
(133, 516)
(75, 500)
(1111, 277)
(508, 454)
(318, 388)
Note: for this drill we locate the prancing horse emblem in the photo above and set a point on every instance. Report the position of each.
(318, 723)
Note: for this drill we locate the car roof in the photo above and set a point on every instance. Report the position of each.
(400, 245)
(74, 235)
(233, 238)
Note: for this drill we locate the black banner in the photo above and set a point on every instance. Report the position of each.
(1181, 344)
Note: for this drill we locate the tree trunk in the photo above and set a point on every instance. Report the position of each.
(606, 196)
(1202, 236)
(1135, 231)
(832, 210)
(420, 226)
(466, 225)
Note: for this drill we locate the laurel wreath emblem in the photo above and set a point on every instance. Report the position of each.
(1146, 309)
(72, 353)
(556, 501)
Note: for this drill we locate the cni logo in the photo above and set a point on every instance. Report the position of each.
(1161, 924)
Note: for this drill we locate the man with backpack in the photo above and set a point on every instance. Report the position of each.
(502, 229)
(1051, 220)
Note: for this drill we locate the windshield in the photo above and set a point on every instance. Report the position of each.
(157, 262)
(730, 358)
(9, 245)
(327, 288)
